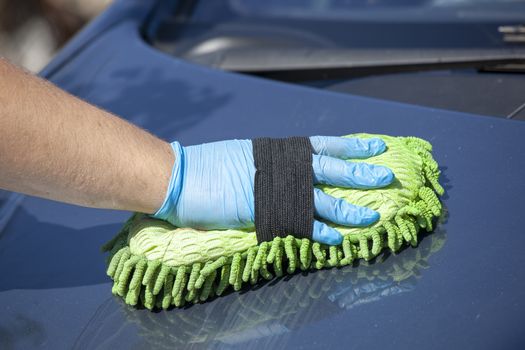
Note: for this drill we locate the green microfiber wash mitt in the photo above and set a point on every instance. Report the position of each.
(158, 265)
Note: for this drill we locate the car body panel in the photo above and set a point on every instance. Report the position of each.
(463, 286)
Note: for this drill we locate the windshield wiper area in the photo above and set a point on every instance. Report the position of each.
(300, 64)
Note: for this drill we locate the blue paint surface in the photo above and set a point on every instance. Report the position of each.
(462, 287)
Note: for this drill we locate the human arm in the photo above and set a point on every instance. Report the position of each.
(56, 146)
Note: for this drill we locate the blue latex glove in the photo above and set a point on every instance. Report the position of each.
(211, 186)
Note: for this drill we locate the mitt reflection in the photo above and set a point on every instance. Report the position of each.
(282, 305)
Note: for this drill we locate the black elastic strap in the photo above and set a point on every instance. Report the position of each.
(284, 196)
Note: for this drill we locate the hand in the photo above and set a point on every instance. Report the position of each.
(212, 185)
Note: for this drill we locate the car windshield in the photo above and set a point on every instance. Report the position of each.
(262, 37)
(392, 10)
(206, 26)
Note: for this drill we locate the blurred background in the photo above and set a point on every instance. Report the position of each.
(31, 31)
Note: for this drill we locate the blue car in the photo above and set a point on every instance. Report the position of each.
(448, 71)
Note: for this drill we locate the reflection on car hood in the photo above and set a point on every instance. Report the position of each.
(278, 305)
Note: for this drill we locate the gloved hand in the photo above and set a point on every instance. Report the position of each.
(212, 185)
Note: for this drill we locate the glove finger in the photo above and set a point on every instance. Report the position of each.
(344, 148)
(338, 172)
(341, 212)
(325, 234)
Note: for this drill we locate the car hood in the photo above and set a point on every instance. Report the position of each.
(461, 287)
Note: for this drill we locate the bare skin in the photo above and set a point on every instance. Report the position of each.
(56, 146)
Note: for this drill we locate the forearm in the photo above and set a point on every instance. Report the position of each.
(56, 146)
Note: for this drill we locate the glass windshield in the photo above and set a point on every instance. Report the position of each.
(231, 34)
(399, 10)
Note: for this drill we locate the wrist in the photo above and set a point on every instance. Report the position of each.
(167, 208)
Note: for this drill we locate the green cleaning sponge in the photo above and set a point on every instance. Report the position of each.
(158, 265)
